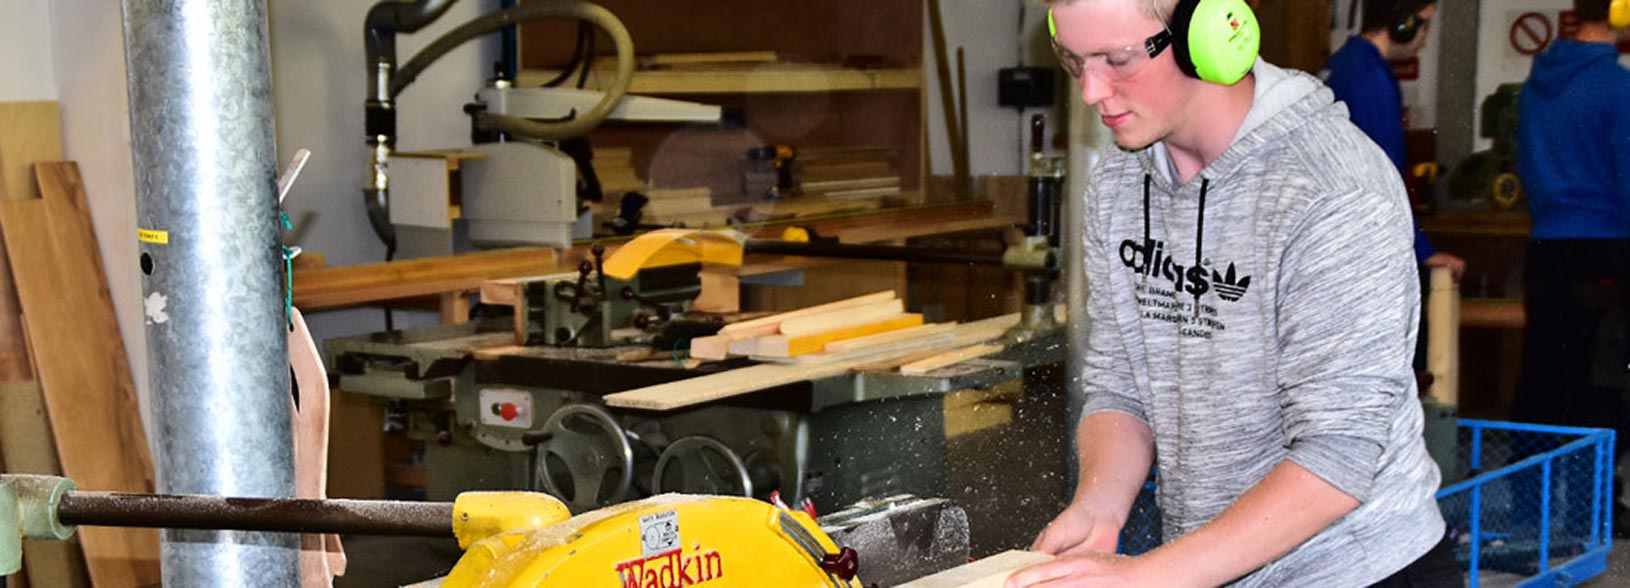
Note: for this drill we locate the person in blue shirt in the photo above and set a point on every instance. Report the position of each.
(1359, 74)
(1573, 156)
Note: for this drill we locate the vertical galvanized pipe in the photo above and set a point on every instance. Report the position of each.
(205, 167)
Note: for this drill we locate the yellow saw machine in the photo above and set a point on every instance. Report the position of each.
(511, 539)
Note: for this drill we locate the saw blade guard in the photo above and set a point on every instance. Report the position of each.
(667, 540)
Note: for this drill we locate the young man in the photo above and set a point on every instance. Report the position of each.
(1361, 77)
(1253, 303)
(1573, 155)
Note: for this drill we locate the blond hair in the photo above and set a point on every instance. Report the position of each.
(1160, 10)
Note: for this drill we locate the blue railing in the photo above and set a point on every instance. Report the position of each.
(1533, 502)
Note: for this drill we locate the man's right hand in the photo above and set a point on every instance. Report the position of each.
(1079, 529)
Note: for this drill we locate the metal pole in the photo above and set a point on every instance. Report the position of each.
(286, 515)
(199, 80)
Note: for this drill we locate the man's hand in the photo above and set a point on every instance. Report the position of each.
(1079, 529)
(1084, 570)
(1456, 265)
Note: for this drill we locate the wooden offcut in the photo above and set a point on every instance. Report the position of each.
(81, 364)
(777, 319)
(949, 358)
(336, 287)
(841, 319)
(708, 388)
(789, 346)
(884, 338)
(990, 572)
(1443, 336)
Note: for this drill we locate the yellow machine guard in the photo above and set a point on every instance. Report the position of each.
(666, 247)
(667, 541)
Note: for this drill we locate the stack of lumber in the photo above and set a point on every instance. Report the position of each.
(615, 169)
(67, 402)
(931, 345)
(850, 173)
(691, 206)
(808, 331)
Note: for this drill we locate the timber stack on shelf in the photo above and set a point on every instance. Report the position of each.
(840, 82)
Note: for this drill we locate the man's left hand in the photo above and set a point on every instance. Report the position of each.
(1083, 570)
(1456, 265)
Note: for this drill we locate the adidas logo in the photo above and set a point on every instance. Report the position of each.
(1228, 286)
(1149, 258)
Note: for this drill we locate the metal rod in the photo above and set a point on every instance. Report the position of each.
(871, 252)
(286, 515)
(205, 163)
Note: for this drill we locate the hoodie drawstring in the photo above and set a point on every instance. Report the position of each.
(1199, 229)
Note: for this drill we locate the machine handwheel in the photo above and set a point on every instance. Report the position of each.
(587, 460)
(701, 465)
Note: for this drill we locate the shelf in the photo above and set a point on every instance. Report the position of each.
(760, 78)
(1489, 223)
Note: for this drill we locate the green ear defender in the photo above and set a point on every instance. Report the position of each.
(1216, 40)
(1213, 40)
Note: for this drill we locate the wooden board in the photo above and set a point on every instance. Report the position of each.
(842, 319)
(777, 319)
(990, 572)
(30, 132)
(336, 287)
(81, 364)
(736, 382)
(924, 366)
(787, 346)
(1443, 336)
(858, 343)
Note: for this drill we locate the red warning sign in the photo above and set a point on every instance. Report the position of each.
(1531, 33)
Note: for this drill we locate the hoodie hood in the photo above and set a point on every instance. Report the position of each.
(1283, 101)
(1568, 60)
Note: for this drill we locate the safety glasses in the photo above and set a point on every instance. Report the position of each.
(1115, 65)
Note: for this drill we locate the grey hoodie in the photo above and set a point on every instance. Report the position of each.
(1266, 310)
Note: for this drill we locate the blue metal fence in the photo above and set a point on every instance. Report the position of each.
(1533, 502)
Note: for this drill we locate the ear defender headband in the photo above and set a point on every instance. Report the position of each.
(1618, 14)
(1408, 27)
(1216, 40)
(1213, 40)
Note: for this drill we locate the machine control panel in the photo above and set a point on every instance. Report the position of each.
(506, 408)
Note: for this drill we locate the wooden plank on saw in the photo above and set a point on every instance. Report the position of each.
(918, 368)
(81, 364)
(841, 319)
(786, 346)
(990, 572)
(736, 382)
(777, 319)
(858, 343)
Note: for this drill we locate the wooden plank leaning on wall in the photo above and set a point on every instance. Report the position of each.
(30, 132)
(74, 340)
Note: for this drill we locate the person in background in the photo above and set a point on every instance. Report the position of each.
(1229, 343)
(1360, 75)
(1573, 155)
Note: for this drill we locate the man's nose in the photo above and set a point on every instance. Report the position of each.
(1094, 88)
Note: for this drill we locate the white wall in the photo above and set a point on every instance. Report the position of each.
(1420, 96)
(318, 88)
(989, 33)
(87, 41)
(1497, 62)
(26, 71)
(319, 84)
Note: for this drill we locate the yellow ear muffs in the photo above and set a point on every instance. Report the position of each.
(1618, 13)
